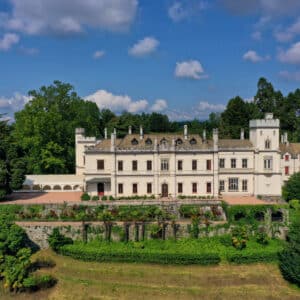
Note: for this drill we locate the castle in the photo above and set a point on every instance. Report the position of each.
(169, 165)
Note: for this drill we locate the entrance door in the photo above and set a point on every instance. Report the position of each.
(164, 190)
(101, 189)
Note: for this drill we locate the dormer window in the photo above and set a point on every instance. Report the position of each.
(193, 141)
(267, 144)
(179, 142)
(163, 141)
(134, 142)
(148, 142)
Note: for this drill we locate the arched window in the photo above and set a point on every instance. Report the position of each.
(163, 141)
(193, 141)
(148, 142)
(134, 142)
(267, 144)
(178, 142)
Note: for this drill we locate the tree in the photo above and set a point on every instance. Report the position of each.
(12, 164)
(291, 189)
(45, 128)
(289, 258)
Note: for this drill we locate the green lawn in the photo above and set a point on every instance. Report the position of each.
(88, 280)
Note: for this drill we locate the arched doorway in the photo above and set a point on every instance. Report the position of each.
(100, 188)
(164, 190)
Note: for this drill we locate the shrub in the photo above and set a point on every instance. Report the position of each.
(85, 197)
(95, 198)
(104, 198)
(239, 237)
(262, 236)
(34, 283)
(57, 240)
(111, 198)
(294, 204)
(289, 258)
(291, 190)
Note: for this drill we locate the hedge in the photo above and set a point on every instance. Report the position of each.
(143, 256)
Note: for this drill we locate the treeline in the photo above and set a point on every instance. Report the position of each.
(41, 140)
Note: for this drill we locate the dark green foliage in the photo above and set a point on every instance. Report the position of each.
(38, 282)
(262, 236)
(291, 189)
(85, 197)
(95, 198)
(289, 258)
(239, 237)
(57, 240)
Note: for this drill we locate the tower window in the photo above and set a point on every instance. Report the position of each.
(267, 144)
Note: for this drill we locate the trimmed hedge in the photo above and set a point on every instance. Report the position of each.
(142, 256)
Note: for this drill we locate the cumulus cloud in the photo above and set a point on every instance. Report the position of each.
(190, 69)
(254, 57)
(117, 103)
(291, 55)
(144, 47)
(98, 54)
(159, 105)
(289, 33)
(290, 76)
(184, 9)
(8, 40)
(66, 17)
(9, 105)
(204, 106)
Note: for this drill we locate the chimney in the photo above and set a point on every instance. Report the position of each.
(105, 133)
(112, 142)
(204, 135)
(129, 130)
(286, 138)
(215, 138)
(173, 144)
(242, 134)
(185, 132)
(155, 148)
(141, 132)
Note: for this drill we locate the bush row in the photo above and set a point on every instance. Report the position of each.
(142, 256)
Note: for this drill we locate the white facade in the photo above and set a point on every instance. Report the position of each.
(184, 164)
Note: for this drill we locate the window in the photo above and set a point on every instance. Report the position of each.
(245, 185)
(193, 141)
(83, 160)
(286, 171)
(120, 165)
(179, 165)
(180, 188)
(221, 186)
(222, 163)
(286, 157)
(149, 165)
(149, 188)
(164, 164)
(208, 164)
(233, 163)
(194, 164)
(267, 144)
(194, 187)
(134, 188)
(178, 141)
(134, 142)
(268, 163)
(208, 187)
(233, 184)
(148, 142)
(100, 164)
(120, 188)
(134, 165)
(244, 163)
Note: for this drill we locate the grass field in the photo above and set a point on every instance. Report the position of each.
(87, 280)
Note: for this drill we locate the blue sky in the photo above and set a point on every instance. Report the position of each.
(185, 58)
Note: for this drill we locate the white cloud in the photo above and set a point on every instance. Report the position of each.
(290, 76)
(144, 47)
(289, 33)
(204, 106)
(184, 9)
(117, 103)
(190, 69)
(291, 55)
(254, 57)
(69, 16)
(159, 105)
(8, 40)
(98, 54)
(256, 35)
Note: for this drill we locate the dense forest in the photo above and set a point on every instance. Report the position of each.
(41, 140)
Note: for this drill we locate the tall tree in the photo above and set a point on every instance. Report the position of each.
(45, 128)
